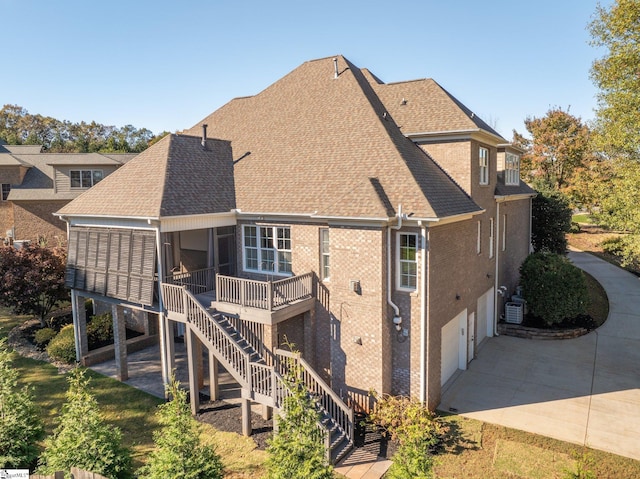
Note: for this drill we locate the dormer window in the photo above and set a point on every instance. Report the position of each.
(85, 178)
(484, 166)
(512, 170)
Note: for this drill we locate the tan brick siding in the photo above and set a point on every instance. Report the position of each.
(453, 157)
(517, 241)
(34, 219)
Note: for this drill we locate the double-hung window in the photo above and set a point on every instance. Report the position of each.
(484, 165)
(6, 189)
(325, 270)
(267, 249)
(85, 178)
(407, 261)
(512, 170)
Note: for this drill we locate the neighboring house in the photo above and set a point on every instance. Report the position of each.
(376, 226)
(35, 185)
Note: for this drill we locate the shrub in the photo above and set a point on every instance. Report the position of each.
(100, 330)
(418, 431)
(626, 248)
(550, 220)
(63, 346)
(554, 288)
(43, 337)
(82, 438)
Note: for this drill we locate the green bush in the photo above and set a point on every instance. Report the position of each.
(626, 248)
(100, 330)
(550, 220)
(43, 337)
(63, 346)
(554, 288)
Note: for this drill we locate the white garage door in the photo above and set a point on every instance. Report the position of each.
(483, 315)
(450, 352)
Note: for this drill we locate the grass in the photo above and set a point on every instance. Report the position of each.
(481, 450)
(582, 218)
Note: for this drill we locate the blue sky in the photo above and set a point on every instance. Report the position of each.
(165, 65)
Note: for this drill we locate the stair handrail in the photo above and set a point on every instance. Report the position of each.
(327, 398)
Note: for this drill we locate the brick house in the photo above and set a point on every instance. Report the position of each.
(375, 226)
(35, 185)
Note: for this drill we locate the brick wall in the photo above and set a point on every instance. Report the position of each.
(517, 241)
(453, 157)
(8, 175)
(34, 219)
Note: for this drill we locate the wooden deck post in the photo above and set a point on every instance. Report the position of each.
(192, 350)
(214, 390)
(120, 342)
(246, 417)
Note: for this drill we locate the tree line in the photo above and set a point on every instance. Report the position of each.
(596, 165)
(19, 127)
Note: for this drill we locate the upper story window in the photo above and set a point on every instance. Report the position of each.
(491, 237)
(85, 178)
(407, 261)
(325, 269)
(267, 249)
(6, 189)
(512, 170)
(484, 165)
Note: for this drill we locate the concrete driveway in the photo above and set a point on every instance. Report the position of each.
(584, 390)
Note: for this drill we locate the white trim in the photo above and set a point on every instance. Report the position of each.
(479, 238)
(399, 261)
(491, 238)
(259, 249)
(484, 167)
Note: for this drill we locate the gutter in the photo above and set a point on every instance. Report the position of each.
(397, 319)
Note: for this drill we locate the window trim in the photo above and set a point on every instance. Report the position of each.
(325, 254)
(81, 172)
(3, 196)
(483, 163)
(511, 169)
(400, 261)
(479, 238)
(504, 232)
(276, 240)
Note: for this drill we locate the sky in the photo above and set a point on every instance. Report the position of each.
(165, 65)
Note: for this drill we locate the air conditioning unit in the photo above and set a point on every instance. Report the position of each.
(513, 312)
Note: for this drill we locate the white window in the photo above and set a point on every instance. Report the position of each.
(267, 249)
(6, 188)
(491, 238)
(504, 232)
(407, 261)
(484, 166)
(85, 178)
(479, 239)
(325, 270)
(512, 170)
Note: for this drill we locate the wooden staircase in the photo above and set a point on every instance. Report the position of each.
(259, 371)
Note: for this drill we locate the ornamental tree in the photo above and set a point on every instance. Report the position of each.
(179, 452)
(20, 424)
(32, 279)
(83, 439)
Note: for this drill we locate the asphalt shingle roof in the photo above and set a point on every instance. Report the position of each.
(174, 177)
(312, 143)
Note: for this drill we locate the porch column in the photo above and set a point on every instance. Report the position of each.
(120, 342)
(214, 390)
(79, 325)
(267, 412)
(199, 364)
(171, 346)
(246, 417)
(192, 359)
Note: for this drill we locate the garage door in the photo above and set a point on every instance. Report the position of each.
(450, 352)
(485, 316)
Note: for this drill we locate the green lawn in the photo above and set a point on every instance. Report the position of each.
(582, 218)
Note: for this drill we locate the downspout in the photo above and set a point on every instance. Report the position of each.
(397, 319)
(495, 276)
(161, 318)
(424, 329)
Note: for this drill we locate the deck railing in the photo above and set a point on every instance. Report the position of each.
(334, 406)
(198, 281)
(267, 295)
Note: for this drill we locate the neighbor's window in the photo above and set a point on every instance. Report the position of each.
(85, 178)
(324, 254)
(407, 261)
(267, 249)
(491, 238)
(6, 188)
(484, 166)
(512, 170)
